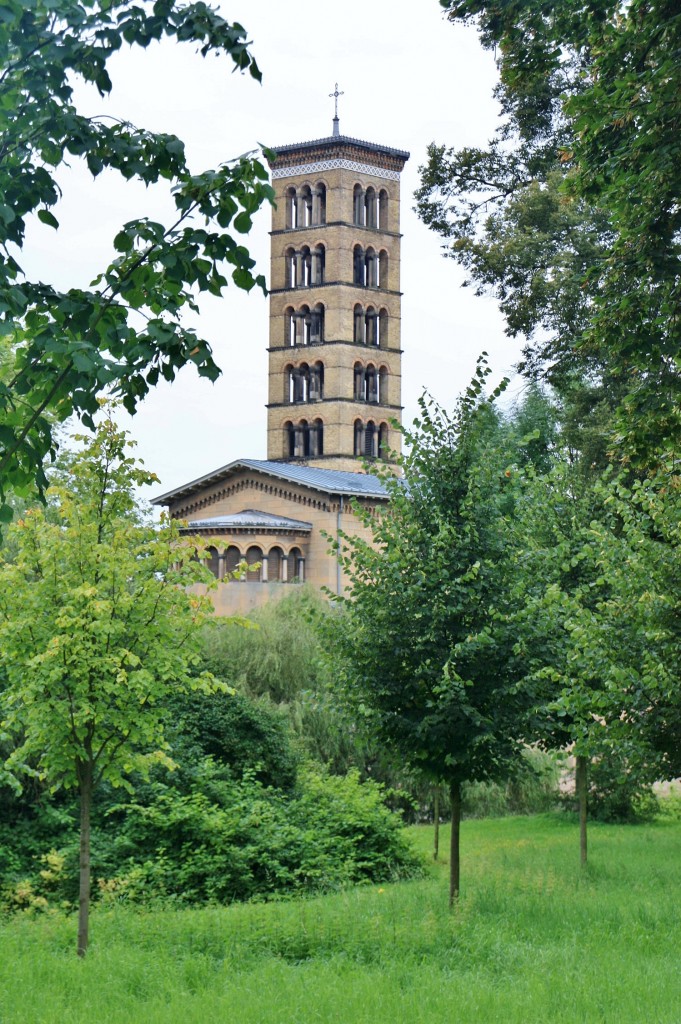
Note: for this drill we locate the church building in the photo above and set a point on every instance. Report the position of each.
(334, 376)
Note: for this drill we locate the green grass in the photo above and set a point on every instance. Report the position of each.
(533, 940)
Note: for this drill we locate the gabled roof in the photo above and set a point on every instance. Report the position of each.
(249, 519)
(328, 481)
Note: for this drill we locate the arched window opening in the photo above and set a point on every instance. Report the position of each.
(382, 396)
(305, 321)
(305, 277)
(291, 208)
(291, 268)
(370, 333)
(289, 440)
(317, 325)
(296, 566)
(358, 325)
(382, 278)
(232, 559)
(359, 266)
(370, 204)
(383, 441)
(360, 384)
(275, 557)
(371, 384)
(289, 327)
(383, 209)
(358, 205)
(319, 203)
(317, 265)
(359, 438)
(370, 440)
(254, 557)
(213, 562)
(288, 383)
(317, 382)
(305, 207)
(382, 335)
(370, 269)
(317, 439)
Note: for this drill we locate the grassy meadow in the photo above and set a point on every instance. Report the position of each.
(533, 940)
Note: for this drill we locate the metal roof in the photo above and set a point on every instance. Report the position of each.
(335, 140)
(328, 481)
(250, 519)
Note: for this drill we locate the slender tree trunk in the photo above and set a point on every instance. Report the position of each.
(436, 822)
(85, 774)
(581, 790)
(454, 861)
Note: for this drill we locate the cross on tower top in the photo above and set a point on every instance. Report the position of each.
(336, 122)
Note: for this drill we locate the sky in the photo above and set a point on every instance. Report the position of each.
(408, 78)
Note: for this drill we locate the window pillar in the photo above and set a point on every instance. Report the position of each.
(263, 570)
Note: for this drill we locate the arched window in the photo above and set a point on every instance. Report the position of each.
(289, 326)
(383, 209)
(371, 269)
(289, 440)
(383, 385)
(232, 559)
(305, 325)
(305, 207)
(370, 204)
(360, 383)
(382, 278)
(291, 208)
(316, 382)
(305, 257)
(372, 384)
(291, 268)
(382, 336)
(317, 325)
(316, 442)
(359, 438)
(213, 562)
(358, 325)
(370, 331)
(275, 558)
(383, 441)
(370, 440)
(296, 566)
(358, 205)
(358, 266)
(254, 557)
(319, 203)
(317, 265)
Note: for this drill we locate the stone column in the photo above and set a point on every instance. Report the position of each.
(263, 571)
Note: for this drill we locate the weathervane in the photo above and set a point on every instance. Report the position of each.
(336, 122)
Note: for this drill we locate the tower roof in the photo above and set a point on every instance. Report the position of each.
(338, 147)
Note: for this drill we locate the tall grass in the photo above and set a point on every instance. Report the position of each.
(533, 940)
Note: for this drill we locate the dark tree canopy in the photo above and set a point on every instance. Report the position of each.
(58, 349)
(571, 216)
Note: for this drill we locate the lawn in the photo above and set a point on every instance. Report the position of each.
(533, 940)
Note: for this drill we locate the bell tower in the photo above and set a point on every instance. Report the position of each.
(334, 350)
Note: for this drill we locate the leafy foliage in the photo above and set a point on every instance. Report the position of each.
(59, 349)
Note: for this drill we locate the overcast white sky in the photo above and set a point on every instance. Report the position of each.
(408, 78)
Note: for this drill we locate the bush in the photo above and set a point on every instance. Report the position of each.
(533, 790)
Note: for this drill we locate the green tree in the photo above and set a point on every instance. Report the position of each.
(96, 630)
(572, 214)
(427, 653)
(59, 349)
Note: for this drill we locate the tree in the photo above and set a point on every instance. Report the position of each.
(427, 653)
(59, 349)
(96, 630)
(572, 214)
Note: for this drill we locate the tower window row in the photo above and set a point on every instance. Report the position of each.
(371, 384)
(370, 208)
(370, 326)
(304, 326)
(304, 440)
(306, 206)
(305, 267)
(371, 440)
(370, 268)
(304, 383)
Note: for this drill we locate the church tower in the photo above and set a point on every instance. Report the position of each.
(334, 347)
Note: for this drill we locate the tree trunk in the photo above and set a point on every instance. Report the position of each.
(85, 774)
(436, 822)
(454, 862)
(581, 790)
